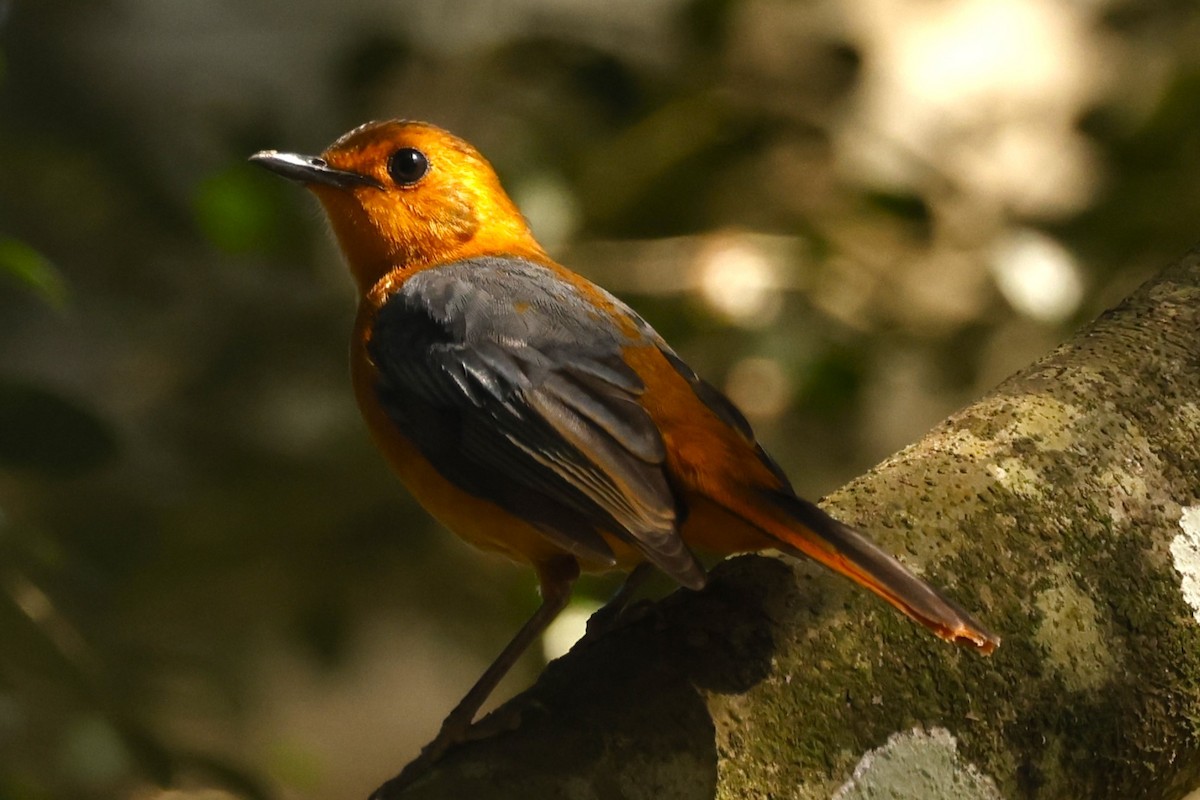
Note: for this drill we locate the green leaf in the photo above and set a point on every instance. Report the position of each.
(43, 432)
(832, 381)
(238, 211)
(33, 270)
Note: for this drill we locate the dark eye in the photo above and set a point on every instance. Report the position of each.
(407, 166)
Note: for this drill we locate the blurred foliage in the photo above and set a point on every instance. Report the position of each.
(239, 212)
(207, 576)
(1151, 198)
(44, 432)
(28, 267)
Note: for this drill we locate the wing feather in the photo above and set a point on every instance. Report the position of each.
(507, 379)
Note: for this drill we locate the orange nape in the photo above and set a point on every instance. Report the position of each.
(536, 415)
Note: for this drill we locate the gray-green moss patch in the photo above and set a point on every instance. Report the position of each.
(921, 764)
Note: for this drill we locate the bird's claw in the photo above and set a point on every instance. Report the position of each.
(613, 616)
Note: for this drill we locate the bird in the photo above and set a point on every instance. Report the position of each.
(536, 415)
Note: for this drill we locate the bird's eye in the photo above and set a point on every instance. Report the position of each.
(407, 166)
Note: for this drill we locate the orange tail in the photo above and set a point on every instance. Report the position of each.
(803, 528)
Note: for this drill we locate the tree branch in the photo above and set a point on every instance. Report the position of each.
(1056, 508)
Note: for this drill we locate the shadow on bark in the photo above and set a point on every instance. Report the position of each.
(584, 722)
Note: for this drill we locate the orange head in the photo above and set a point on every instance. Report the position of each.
(407, 195)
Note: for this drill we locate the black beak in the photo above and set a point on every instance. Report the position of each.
(311, 169)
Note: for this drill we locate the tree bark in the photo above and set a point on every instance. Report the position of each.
(1063, 509)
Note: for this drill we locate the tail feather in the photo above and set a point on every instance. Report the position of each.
(815, 534)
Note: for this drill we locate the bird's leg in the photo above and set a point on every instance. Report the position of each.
(555, 578)
(606, 616)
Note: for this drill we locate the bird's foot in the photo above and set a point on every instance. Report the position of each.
(611, 617)
(620, 608)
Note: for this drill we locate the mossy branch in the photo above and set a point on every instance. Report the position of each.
(1063, 508)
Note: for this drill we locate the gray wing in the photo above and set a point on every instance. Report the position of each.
(513, 386)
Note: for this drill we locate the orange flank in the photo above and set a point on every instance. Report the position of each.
(536, 415)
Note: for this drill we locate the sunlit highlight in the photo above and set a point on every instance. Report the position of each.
(759, 387)
(567, 629)
(1037, 276)
(739, 282)
(973, 47)
(984, 92)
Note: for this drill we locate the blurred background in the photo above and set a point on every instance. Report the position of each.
(853, 215)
